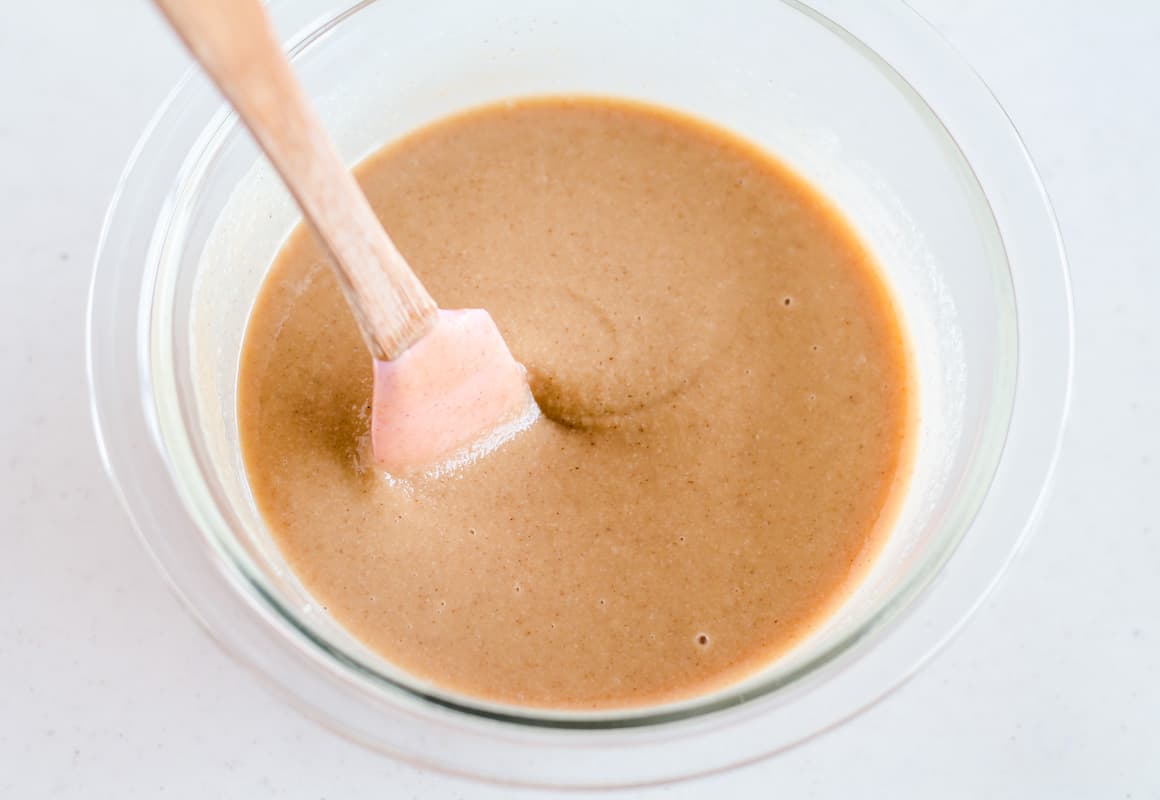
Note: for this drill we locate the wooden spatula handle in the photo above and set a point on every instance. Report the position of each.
(233, 41)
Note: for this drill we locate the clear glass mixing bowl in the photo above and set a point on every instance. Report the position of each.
(863, 99)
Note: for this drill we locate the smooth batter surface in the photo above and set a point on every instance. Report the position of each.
(729, 385)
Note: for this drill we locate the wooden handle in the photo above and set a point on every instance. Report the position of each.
(233, 41)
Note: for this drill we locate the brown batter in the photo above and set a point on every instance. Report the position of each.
(728, 383)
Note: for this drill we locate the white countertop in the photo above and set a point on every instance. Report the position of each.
(109, 689)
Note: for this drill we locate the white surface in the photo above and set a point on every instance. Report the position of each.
(108, 688)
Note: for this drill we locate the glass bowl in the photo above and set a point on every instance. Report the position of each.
(866, 102)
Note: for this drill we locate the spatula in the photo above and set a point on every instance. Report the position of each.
(446, 387)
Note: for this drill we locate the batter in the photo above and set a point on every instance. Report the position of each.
(726, 392)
